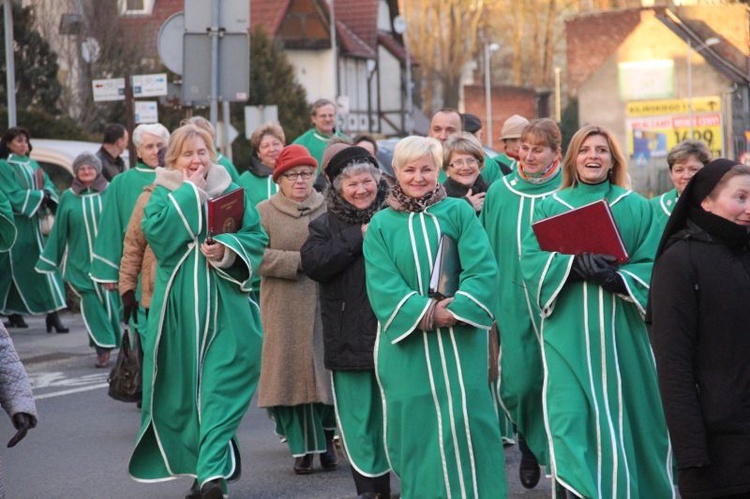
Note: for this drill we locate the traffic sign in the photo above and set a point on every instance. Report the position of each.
(146, 111)
(154, 85)
(110, 89)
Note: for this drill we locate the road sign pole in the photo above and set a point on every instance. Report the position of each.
(130, 118)
(215, 63)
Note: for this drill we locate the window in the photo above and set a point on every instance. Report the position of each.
(136, 6)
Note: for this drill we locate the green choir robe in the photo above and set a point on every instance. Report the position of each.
(315, 143)
(506, 216)
(202, 351)
(22, 289)
(68, 249)
(608, 437)
(122, 194)
(258, 188)
(7, 227)
(229, 166)
(663, 206)
(507, 161)
(442, 434)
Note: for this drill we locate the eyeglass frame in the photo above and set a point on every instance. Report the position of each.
(294, 176)
(471, 161)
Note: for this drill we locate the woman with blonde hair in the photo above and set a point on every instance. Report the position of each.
(202, 351)
(441, 429)
(267, 141)
(607, 433)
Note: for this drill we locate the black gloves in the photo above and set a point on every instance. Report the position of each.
(600, 269)
(46, 199)
(23, 423)
(129, 306)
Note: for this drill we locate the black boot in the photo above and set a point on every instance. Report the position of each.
(529, 471)
(328, 459)
(15, 320)
(303, 465)
(195, 491)
(212, 489)
(53, 321)
(379, 486)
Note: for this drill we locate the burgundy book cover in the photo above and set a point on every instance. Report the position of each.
(225, 212)
(588, 229)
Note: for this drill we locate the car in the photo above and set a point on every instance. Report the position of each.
(385, 153)
(56, 158)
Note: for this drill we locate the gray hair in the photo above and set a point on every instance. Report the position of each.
(689, 148)
(154, 129)
(355, 168)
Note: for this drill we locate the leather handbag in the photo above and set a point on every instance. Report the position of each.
(46, 217)
(125, 379)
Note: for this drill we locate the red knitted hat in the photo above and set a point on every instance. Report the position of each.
(291, 156)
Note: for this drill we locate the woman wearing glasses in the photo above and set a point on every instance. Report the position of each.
(463, 161)
(294, 384)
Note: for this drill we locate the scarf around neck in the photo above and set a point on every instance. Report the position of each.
(99, 184)
(542, 177)
(349, 213)
(400, 201)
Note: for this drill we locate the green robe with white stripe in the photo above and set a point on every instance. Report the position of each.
(123, 192)
(442, 435)
(7, 228)
(663, 206)
(608, 437)
(22, 289)
(202, 351)
(68, 249)
(506, 216)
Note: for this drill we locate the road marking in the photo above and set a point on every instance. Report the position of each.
(72, 390)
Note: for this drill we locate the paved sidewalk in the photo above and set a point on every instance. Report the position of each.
(35, 345)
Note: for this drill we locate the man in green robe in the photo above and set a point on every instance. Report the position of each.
(202, 352)
(315, 140)
(608, 437)
(442, 433)
(506, 216)
(22, 289)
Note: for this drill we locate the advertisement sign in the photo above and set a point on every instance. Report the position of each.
(655, 127)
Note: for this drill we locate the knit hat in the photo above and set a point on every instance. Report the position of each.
(86, 158)
(330, 151)
(346, 156)
(472, 123)
(513, 127)
(291, 156)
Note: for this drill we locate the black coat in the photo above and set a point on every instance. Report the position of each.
(700, 331)
(332, 256)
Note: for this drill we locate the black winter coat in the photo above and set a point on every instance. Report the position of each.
(332, 256)
(700, 331)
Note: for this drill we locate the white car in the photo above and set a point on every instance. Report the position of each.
(56, 158)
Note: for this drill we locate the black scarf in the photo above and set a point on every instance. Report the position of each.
(259, 168)
(455, 189)
(349, 213)
(733, 235)
(400, 201)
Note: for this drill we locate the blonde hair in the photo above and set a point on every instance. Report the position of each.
(200, 122)
(182, 135)
(413, 147)
(618, 175)
(271, 129)
(465, 143)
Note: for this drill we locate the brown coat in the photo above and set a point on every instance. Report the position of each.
(137, 257)
(292, 370)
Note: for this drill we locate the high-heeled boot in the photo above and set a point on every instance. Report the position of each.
(53, 321)
(16, 320)
(328, 459)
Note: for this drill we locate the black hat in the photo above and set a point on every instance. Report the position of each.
(346, 156)
(472, 123)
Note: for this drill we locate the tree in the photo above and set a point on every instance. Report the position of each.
(272, 82)
(35, 64)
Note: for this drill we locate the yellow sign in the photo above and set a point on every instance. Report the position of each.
(655, 127)
(671, 107)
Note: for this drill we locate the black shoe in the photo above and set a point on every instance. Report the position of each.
(303, 465)
(560, 491)
(195, 491)
(53, 321)
(529, 471)
(15, 320)
(368, 495)
(328, 459)
(212, 489)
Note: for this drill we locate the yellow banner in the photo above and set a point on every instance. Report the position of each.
(670, 107)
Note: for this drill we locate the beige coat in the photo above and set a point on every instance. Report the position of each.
(292, 371)
(137, 256)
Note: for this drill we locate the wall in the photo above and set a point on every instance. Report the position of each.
(506, 101)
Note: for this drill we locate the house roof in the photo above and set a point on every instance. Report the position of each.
(268, 13)
(361, 17)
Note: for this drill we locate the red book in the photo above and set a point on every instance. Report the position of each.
(588, 229)
(225, 212)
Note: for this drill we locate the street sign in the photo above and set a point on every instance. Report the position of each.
(154, 85)
(146, 111)
(256, 116)
(110, 89)
(233, 133)
(234, 15)
(234, 68)
(169, 42)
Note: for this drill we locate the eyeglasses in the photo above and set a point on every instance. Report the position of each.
(293, 176)
(464, 162)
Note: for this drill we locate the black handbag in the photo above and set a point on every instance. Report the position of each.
(125, 379)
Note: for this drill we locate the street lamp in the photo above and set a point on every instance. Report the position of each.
(710, 41)
(488, 49)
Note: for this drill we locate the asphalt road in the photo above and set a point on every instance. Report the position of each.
(81, 447)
